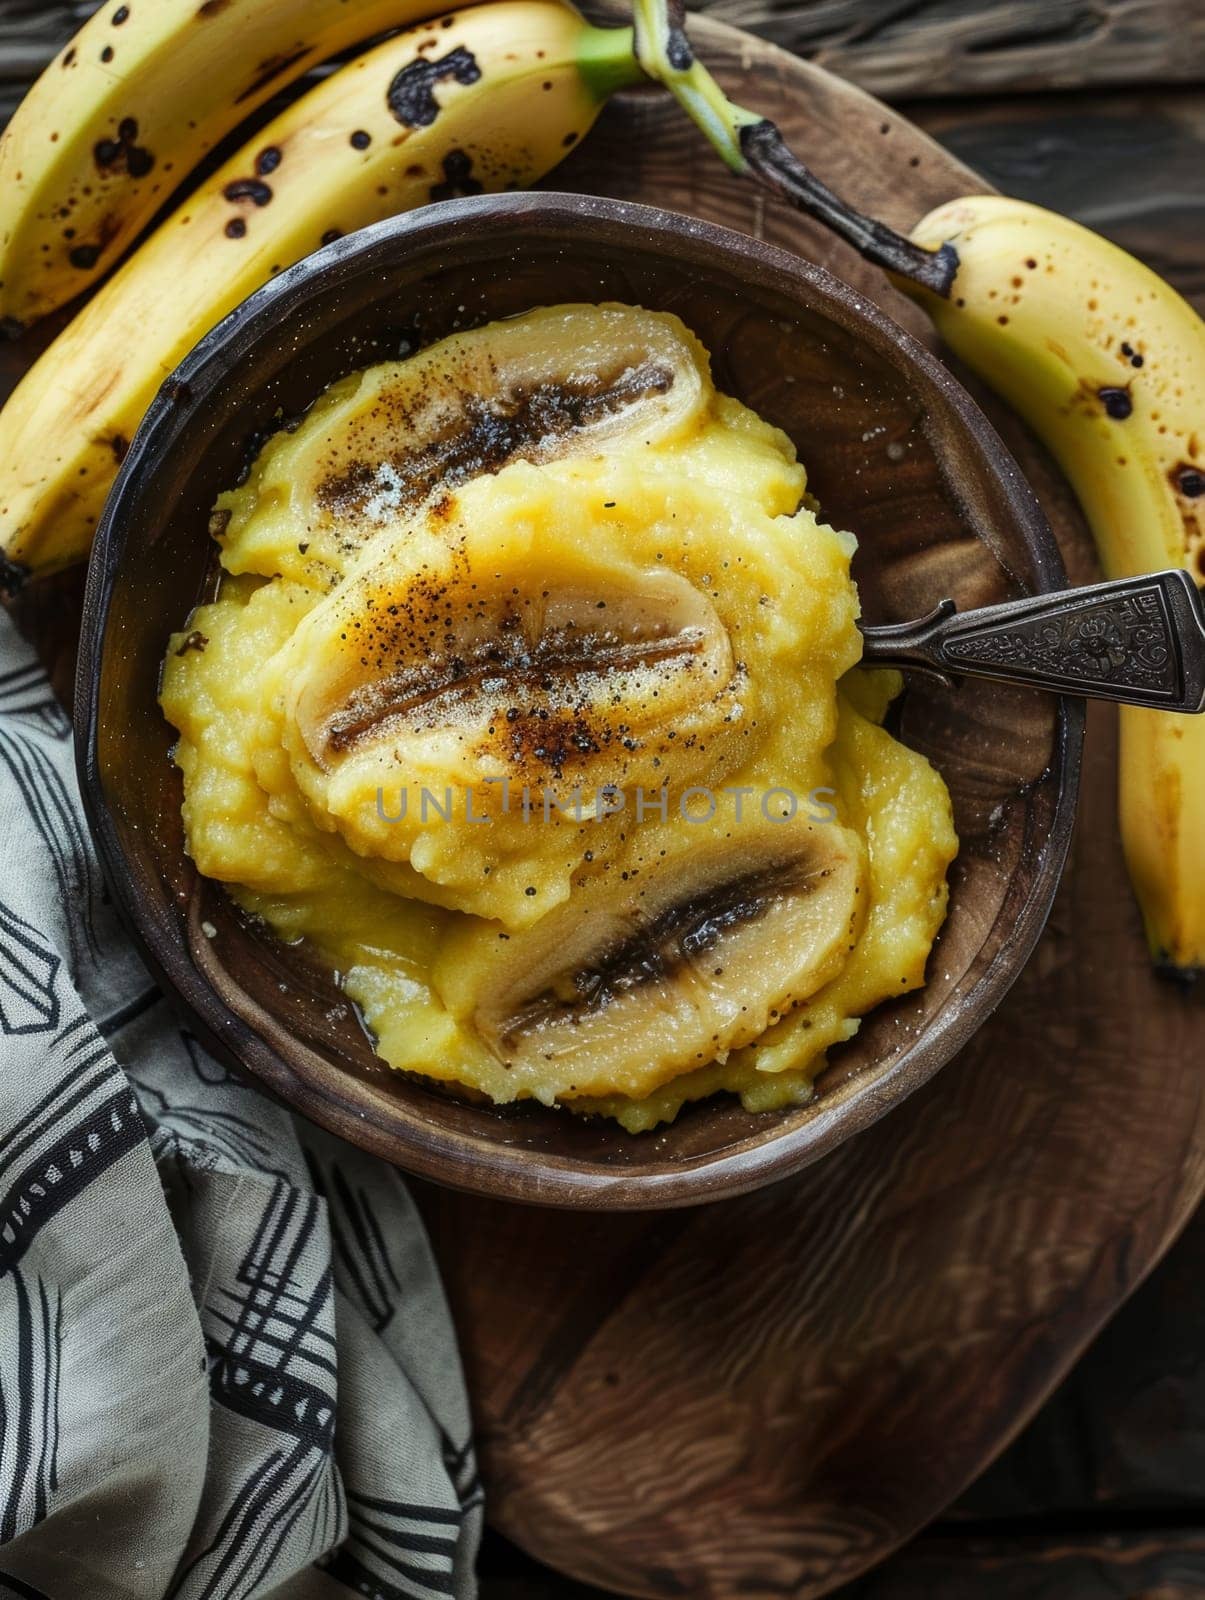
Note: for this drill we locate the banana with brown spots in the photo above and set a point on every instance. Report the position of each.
(121, 117)
(489, 98)
(1106, 362)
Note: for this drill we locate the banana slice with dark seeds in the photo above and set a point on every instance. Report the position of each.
(535, 683)
(565, 380)
(467, 702)
(632, 983)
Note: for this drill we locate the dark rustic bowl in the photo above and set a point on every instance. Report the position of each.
(896, 451)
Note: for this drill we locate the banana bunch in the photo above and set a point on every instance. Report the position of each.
(481, 99)
(1106, 362)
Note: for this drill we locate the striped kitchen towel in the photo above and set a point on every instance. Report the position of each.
(227, 1368)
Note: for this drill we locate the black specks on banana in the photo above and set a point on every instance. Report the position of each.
(629, 980)
(554, 382)
(1106, 362)
(490, 98)
(119, 119)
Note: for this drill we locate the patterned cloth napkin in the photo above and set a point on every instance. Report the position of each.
(227, 1367)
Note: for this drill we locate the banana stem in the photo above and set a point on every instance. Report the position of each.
(753, 146)
(664, 52)
(607, 60)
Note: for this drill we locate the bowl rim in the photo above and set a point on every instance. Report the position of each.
(423, 1146)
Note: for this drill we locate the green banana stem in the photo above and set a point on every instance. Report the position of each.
(753, 146)
(607, 60)
(664, 52)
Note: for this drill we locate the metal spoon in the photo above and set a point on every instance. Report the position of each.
(1138, 640)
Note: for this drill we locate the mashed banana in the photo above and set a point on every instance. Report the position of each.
(520, 703)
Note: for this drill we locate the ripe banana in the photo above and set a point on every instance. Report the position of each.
(130, 107)
(1106, 362)
(486, 99)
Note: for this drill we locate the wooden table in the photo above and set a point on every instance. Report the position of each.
(1101, 1498)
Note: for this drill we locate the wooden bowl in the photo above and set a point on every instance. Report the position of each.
(896, 451)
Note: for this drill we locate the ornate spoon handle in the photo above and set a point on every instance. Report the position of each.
(1139, 640)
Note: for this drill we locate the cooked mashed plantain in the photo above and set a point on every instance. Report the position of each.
(521, 704)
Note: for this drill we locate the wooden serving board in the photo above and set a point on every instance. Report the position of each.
(762, 1398)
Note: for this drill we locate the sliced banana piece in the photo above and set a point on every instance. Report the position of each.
(562, 380)
(469, 701)
(630, 984)
(531, 683)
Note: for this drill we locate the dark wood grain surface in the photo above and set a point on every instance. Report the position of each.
(1102, 1497)
(894, 48)
(952, 47)
(1104, 1493)
(1148, 1564)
